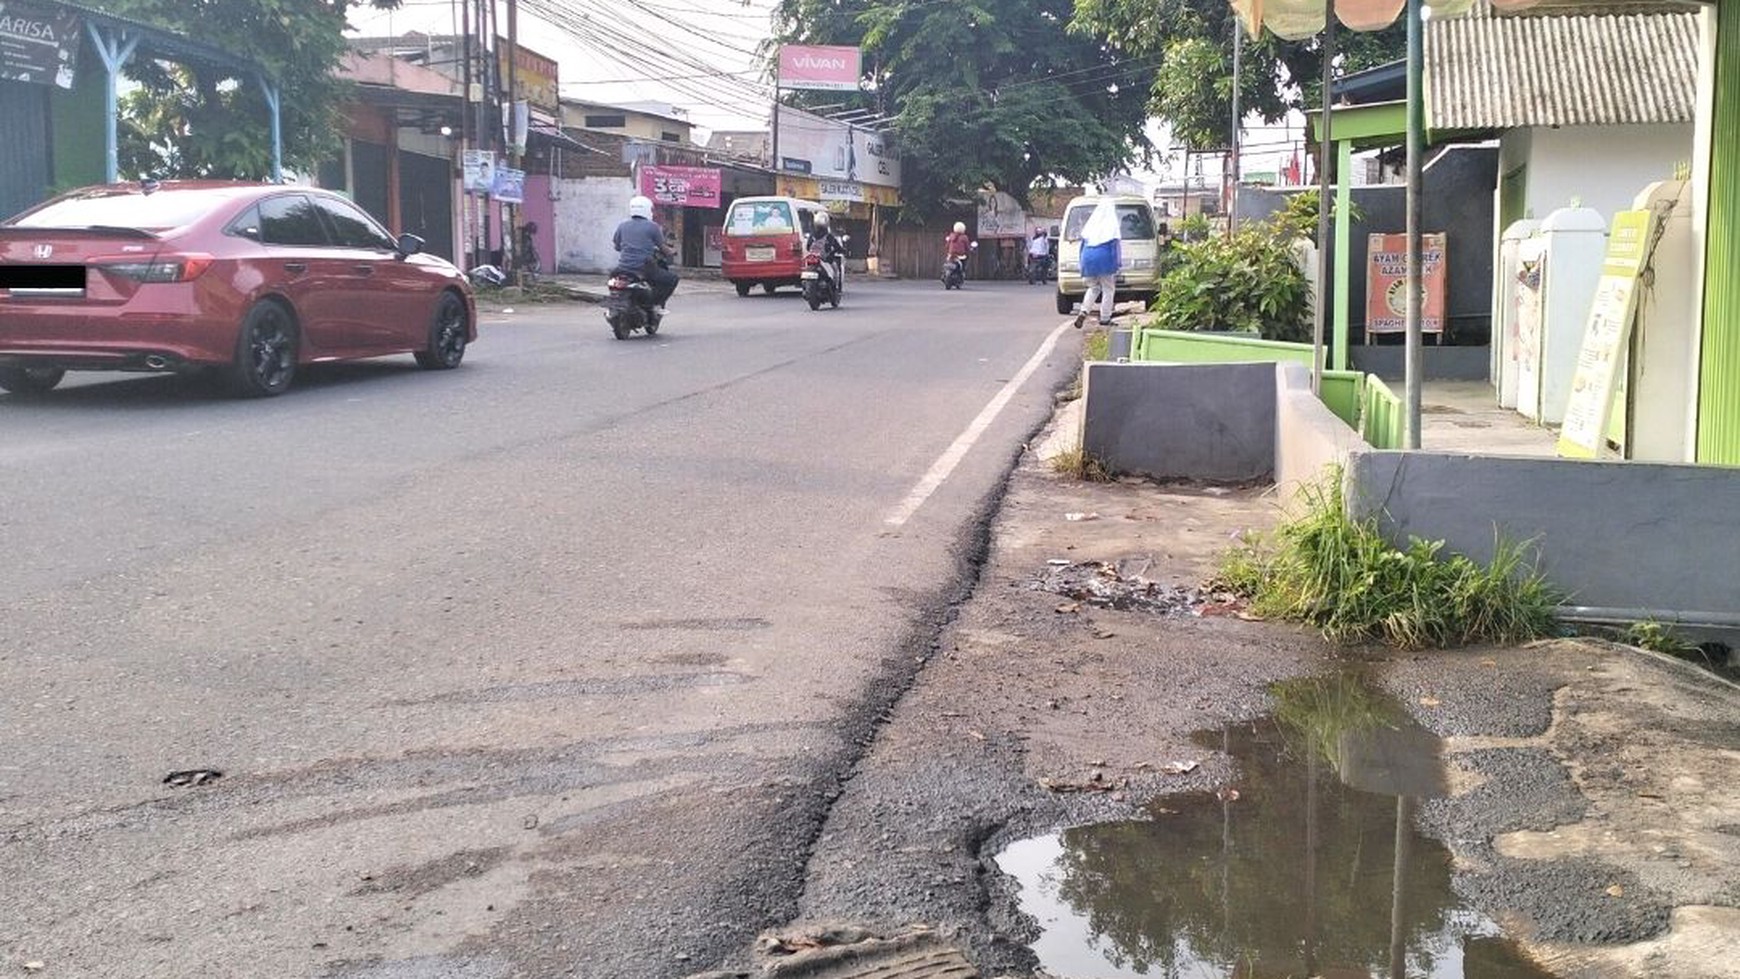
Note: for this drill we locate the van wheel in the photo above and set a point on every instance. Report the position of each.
(742, 288)
(1064, 303)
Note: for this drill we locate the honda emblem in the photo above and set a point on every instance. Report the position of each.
(42, 251)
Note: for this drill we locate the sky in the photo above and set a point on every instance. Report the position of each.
(698, 55)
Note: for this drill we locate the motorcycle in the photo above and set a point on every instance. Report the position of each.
(630, 307)
(823, 279)
(955, 269)
(1038, 269)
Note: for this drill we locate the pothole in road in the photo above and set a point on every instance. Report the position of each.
(1307, 865)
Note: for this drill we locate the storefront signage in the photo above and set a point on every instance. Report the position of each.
(1606, 336)
(840, 190)
(828, 68)
(38, 45)
(534, 76)
(1386, 290)
(682, 186)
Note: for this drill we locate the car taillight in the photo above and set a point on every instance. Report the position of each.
(812, 260)
(161, 268)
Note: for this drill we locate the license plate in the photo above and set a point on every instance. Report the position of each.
(758, 254)
(809, 275)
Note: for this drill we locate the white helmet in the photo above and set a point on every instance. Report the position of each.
(960, 227)
(821, 219)
(639, 207)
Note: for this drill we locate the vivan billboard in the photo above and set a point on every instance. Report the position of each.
(829, 68)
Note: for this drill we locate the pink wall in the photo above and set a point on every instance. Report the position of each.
(540, 209)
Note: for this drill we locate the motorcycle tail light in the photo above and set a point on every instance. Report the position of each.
(812, 260)
(618, 283)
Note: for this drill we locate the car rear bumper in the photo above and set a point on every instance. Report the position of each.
(76, 339)
(776, 271)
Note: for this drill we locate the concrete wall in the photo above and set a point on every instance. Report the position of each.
(1309, 438)
(1605, 166)
(1659, 538)
(587, 212)
(1388, 361)
(1213, 422)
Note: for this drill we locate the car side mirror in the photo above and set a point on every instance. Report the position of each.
(408, 245)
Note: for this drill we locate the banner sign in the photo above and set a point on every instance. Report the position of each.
(478, 171)
(1606, 336)
(827, 68)
(826, 148)
(534, 75)
(683, 186)
(1386, 284)
(510, 185)
(38, 45)
(840, 190)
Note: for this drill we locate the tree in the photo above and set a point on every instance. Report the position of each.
(198, 120)
(1190, 43)
(985, 94)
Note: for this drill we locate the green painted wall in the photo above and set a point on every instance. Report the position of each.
(1719, 373)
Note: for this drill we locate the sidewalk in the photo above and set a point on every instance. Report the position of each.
(1593, 791)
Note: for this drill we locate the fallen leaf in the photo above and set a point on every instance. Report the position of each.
(976, 735)
(1616, 891)
(1179, 767)
(1068, 608)
(35, 966)
(1650, 795)
(1103, 634)
(1430, 701)
(1489, 662)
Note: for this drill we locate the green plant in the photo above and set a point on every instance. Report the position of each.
(1246, 281)
(1340, 575)
(1660, 637)
(1195, 227)
(1299, 215)
(1077, 464)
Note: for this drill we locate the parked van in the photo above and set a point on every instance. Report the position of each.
(1138, 248)
(764, 241)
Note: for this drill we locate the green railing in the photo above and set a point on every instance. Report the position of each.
(1380, 415)
(1343, 392)
(1180, 347)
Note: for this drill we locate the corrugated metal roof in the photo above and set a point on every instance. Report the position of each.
(1493, 72)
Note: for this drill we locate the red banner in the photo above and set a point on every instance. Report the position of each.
(682, 186)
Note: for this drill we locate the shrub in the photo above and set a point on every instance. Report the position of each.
(1340, 575)
(1247, 281)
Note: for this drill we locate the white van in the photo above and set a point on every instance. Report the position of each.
(1138, 248)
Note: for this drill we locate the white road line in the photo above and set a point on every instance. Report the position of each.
(946, 463)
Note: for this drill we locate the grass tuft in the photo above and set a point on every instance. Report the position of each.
(1077, 464)
(1340, 575)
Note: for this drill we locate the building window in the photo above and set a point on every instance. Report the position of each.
(670, 137)
(606, 122)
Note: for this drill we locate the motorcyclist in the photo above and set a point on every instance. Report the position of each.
(957, 245)
(1038, 255)
(641, 251)
(833, 250)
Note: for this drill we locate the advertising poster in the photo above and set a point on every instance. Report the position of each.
(1386, 284)
(682, 186)
(478, 171)
(1606, 335)
(510, 185)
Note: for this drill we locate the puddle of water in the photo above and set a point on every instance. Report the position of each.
(1295, 877)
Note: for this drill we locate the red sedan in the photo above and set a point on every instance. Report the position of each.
(251, 279)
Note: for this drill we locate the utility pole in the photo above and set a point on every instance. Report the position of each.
(1232, 197)
(1416, 202)
(467, 230)
(510, 236)
(1324, 142)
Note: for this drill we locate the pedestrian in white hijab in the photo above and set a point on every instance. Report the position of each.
(1099, 261)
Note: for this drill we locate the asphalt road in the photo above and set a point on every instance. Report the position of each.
(550, 665)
